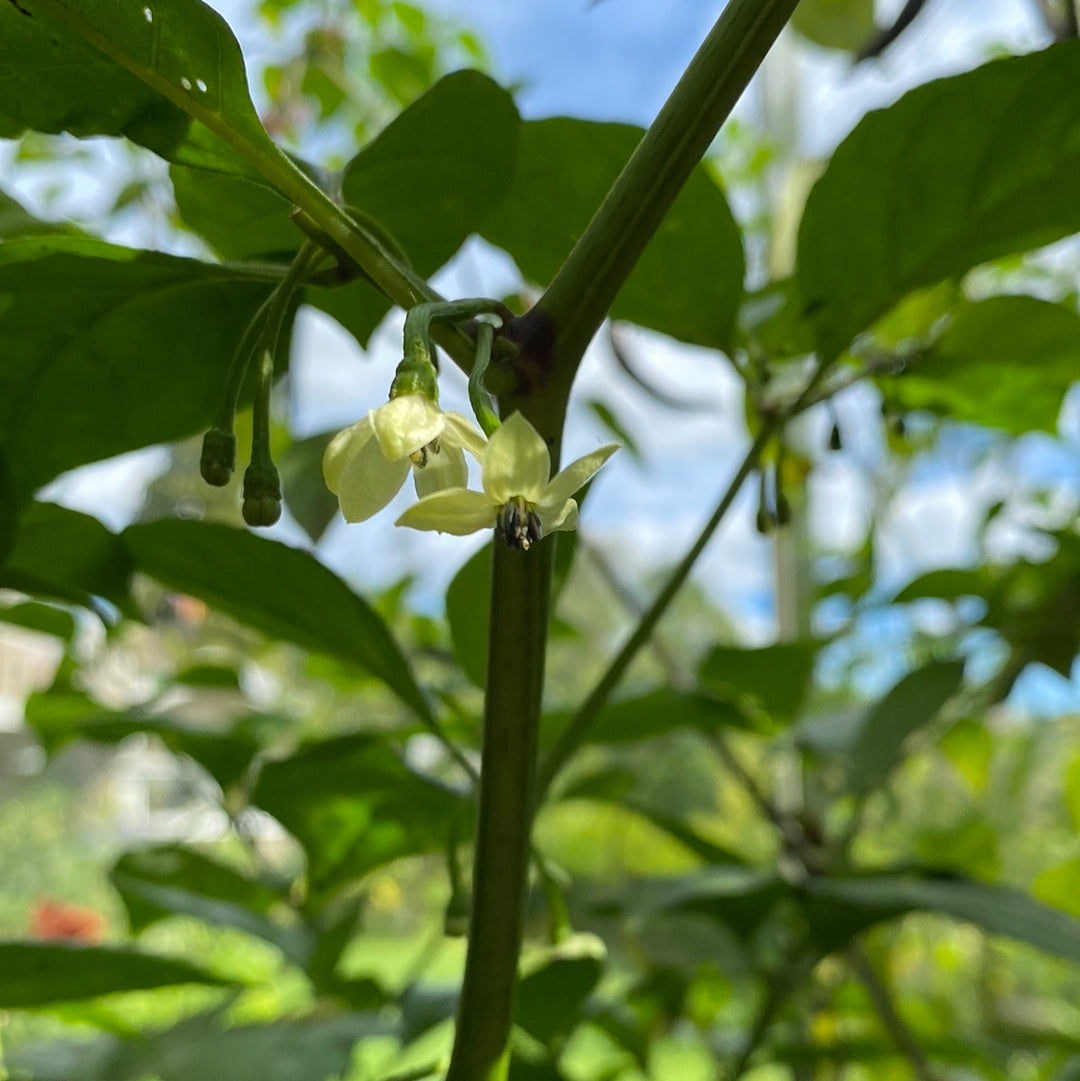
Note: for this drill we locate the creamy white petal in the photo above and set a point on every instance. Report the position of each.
(406, 424)
(369, 482)
(575, 475)
(516, 462)
(453, 510)
(462, 432)
(342, 449)
(445, 469)
(553, 518)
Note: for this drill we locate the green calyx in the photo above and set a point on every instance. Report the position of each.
(262, 494)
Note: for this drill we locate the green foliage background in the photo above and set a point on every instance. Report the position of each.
(748, 866)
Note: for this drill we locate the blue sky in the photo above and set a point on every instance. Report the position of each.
(617, 60)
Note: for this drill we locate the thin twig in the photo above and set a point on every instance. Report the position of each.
(884, 38)
(891, 1020)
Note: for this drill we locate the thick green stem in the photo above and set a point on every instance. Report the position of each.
(579, 297)
(520, 590)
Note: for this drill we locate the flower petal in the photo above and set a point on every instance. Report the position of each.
(555, 518)
(405, 424)
(342, 449)
(462, 432)
(574, 476)
(516, 462)
(368, 482)
(453, 510)
(443, 469)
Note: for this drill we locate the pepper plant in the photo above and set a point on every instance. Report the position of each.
(106, 349)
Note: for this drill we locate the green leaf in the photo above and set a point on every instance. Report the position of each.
(774, 679)
(996, 909)
(615, 427)
(554, 984)
(311, 1048)
(38, 973)
(89, 330)
(281, 591)
(657, 713)
(174, 880)
(354, 806)
(42, 618)
(16, 221)
(1006, 362)
(835, 24)
(877, 742)
(429, 179)
(467, 601)
(1060, 887)
(310, 502)
(167, 76)
(689, 281)
(71, 556)
(958, 172)
(948, 583)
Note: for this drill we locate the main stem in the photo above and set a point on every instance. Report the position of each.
(581, 294)
(520, 590)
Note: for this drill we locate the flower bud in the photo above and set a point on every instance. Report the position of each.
(262, 494)
(218, 458)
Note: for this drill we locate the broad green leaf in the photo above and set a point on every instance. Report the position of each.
(1006, 362)
(554, 984)
(42, 618)
(283, 592)
(310, 502)
(958, 172)
(773, 680)
(835, 24)
(354, 806)
(39, 973)
(107, 349)
(175, 880)
(311, 1048)
(1060, 887)
(946, 583)
(689, 281)
(468, 601)
(64, 554)
(657, 713)
(63, 714)
(468, 598)
(169, 76)
(428, 180)
(996, 909)
(877, 743)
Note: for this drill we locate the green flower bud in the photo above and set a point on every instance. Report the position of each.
(218, 458)
(262, 494)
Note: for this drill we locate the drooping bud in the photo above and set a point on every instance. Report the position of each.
(262, 494)
(218, 459)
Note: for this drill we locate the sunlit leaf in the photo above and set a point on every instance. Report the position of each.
(88, 328)
(959, 171)
(39, 973)
(835, 24)
(279, 590)
(877, 741)
(689, 281)
(354, 806)
(172, 880)
(1006, 362)
(141, 70)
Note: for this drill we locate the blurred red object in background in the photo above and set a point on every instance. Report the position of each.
(54, 920)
